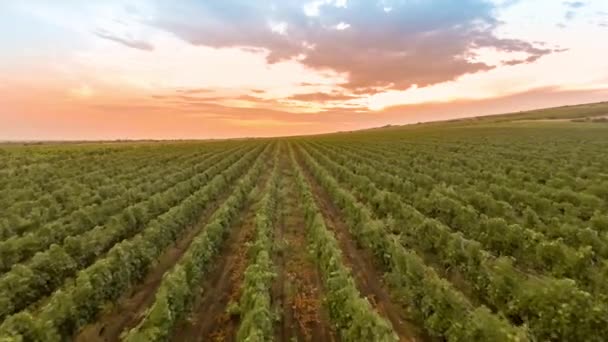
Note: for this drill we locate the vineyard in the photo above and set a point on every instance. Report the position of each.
(474, 230)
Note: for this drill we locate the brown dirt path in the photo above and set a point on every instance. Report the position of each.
(366, 272)
(130, 308)
(209, 320)
(298, 289)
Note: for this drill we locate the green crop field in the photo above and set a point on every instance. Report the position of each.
(485, 229)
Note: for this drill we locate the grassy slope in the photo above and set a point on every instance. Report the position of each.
(539, 118)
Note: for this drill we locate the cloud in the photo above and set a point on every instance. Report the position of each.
(279, 28)
(189, 99)
(264, 123)
(603, 18)
(415, 43)
(195, 91)
(341, 26)
(533, 53)
(530, 59)
(506, 3)
(132, 43)
(569, 15)
(574, 4)
(322, 97)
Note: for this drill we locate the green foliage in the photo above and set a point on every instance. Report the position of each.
(176, 291)
(353, 315)
(78, 303)
(46, 271)
(442, 310)
(481, 269)
(486, 230)
(255, 302)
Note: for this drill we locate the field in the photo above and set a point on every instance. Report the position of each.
(485, 229)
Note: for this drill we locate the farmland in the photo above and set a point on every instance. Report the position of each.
(486, 229)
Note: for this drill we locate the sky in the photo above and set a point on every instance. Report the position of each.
(139, 69)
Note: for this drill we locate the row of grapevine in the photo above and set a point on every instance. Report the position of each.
(545, 304)
(576, 177)
(25, 179)
(255, 309)
(353, 316)
(180, 284)
(78, 302)
(442, 310)
(27, 175)
(29, 215)
(547, 201)
(137, 188)
(34, 170)
(424, 177)
(80, 190)
(28, 282)
(593, 233)
(564, 161)
(570, 205)
(554, 256)
(530, 248)
(21, 248)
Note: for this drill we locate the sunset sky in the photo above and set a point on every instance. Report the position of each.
(130, 69)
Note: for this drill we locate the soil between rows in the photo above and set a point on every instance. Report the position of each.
(209, 319)
(366, 272)
(130, 308)
(298, 289)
